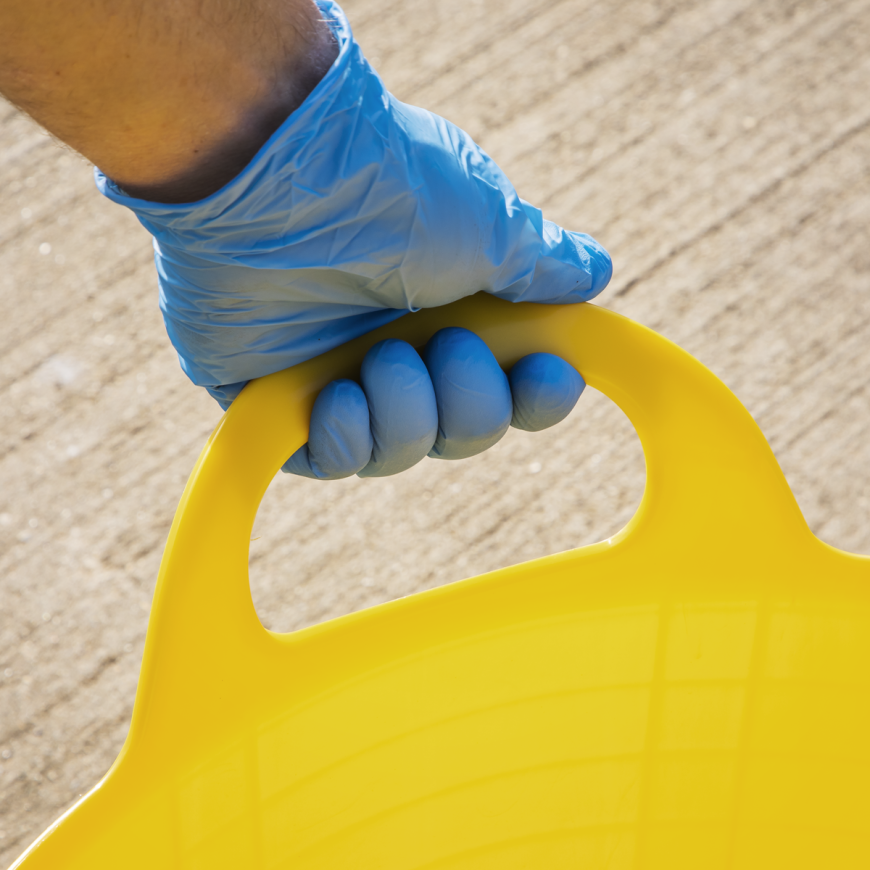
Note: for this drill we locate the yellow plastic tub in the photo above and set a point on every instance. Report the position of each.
(693, 692)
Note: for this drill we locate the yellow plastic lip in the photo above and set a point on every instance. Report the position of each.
(691, 692)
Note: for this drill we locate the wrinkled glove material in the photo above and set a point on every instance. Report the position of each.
(358, 209)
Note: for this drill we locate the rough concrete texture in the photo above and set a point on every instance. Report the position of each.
(719, 148)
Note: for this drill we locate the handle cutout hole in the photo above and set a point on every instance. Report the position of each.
(324, 549)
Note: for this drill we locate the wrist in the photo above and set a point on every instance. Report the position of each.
(171, 98)
(194, 150)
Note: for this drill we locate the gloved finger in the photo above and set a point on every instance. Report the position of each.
(339, 437)
(471, 391)
(545, 390)
(568, 267)
(402, 408)
(571, 267)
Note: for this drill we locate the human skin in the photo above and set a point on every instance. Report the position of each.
(170, 98)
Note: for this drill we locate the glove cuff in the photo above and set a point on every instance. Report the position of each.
(193, 225)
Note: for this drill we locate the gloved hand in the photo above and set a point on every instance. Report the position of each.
(453, 403)
(359, 209)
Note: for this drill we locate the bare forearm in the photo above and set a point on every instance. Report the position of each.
(169, 97)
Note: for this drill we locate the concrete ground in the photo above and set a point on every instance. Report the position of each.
(720, 149)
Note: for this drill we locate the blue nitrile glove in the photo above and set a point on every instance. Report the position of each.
(457, 404)
(358, 209)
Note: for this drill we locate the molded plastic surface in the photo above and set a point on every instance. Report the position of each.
(694, 692)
